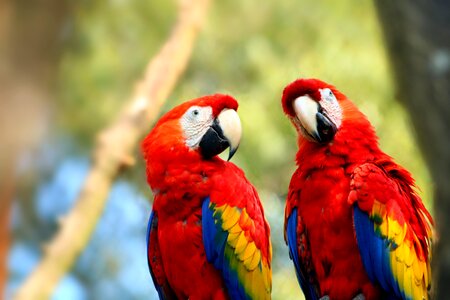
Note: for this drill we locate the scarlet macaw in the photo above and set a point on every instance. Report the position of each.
(354, 224)
(207, 236)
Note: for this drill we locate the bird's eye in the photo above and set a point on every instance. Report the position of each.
(195, 112)
(330, 94)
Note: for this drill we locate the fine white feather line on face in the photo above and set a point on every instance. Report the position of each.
(331, 106)
(231, 126)
(195, 123)
(306, 109)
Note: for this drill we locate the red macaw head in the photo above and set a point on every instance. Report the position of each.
(203, 127)
(315, 107)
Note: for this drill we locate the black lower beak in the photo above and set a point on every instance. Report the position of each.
(325, 128)
(213, 142)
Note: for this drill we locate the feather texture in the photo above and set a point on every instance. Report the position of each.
(230, 247)
(207, 238)
(395, 254)
(154, 261)
(304, 274)
(349, 187)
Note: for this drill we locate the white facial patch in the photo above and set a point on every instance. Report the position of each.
(195, 122)
(331, 106)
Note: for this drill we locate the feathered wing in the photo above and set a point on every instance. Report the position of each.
(155, 264)
(233, 245)
(393, 230)
(297, 240)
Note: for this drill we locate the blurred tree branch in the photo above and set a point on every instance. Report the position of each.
(114, 150)
(418, 41)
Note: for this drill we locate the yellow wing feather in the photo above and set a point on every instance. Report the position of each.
(409, 270)
(250, 266)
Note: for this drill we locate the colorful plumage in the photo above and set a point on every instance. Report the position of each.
(207, 236)
(354, 225)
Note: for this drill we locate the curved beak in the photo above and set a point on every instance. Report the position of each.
(314, 122)
(225, 132)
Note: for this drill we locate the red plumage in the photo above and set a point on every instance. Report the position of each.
(323, 192)
(181, 179)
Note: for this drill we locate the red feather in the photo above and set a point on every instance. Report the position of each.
(181, 180)
(320, 188)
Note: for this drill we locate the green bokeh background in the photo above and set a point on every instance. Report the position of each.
(251, 50)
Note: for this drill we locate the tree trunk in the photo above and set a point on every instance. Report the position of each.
(417, 35)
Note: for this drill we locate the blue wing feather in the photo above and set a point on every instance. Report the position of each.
(291, 230)
(374, 251)
(152, 224)
(215, 243)
(208, 231)
(362, 229)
